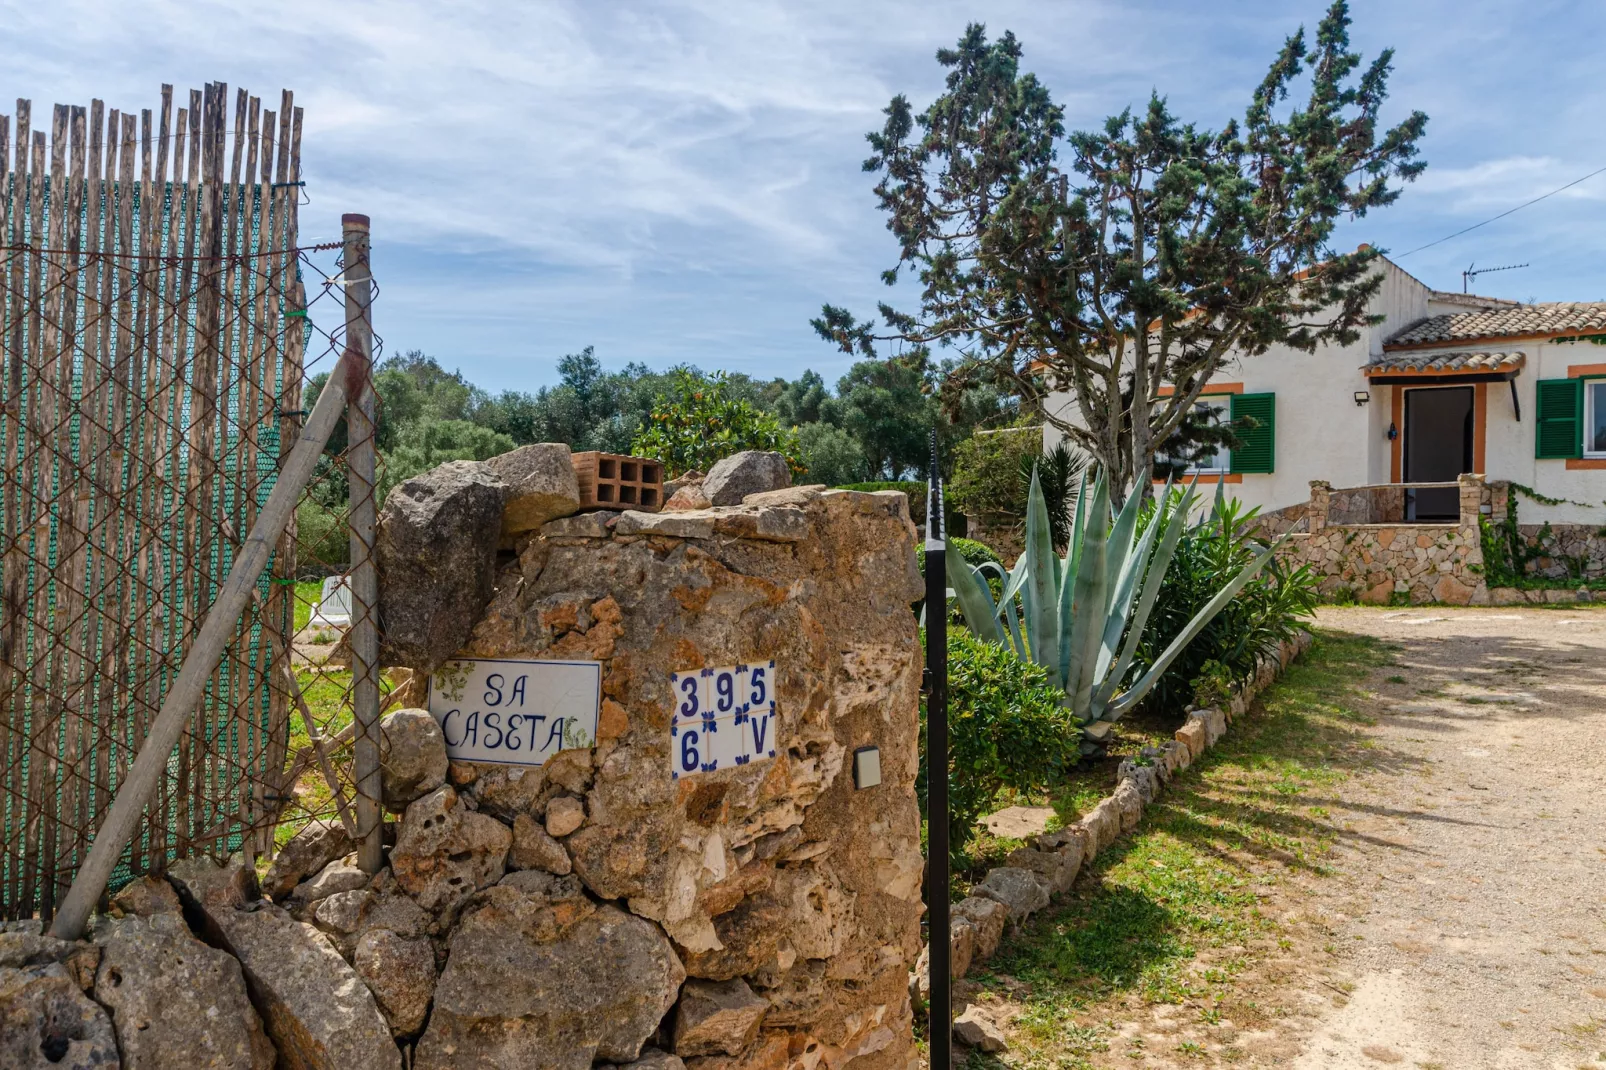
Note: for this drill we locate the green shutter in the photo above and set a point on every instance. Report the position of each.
(1559, 418)
(1259, 450)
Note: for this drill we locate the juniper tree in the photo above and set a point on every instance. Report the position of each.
(1113, 262)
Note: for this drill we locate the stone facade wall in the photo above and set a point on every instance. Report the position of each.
(1386, 562)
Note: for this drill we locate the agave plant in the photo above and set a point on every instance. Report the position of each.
(1082, 616)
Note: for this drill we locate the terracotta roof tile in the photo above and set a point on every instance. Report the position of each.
(1394, 363)
(1523, 321)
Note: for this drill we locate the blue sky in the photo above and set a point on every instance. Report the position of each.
(679, 181)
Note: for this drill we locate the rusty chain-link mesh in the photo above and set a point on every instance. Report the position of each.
(159, 330)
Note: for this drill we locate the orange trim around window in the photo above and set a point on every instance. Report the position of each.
(1480, 424)
(1575, 464)
(1209, 390)
(1208, 478)
(1578, 371)
(1397, 421)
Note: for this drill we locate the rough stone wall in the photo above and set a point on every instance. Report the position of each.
(1573, 551)
(779, 873)
(1382, 563)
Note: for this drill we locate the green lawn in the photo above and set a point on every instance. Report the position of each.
(1173, 913)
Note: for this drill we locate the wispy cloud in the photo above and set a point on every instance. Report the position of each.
(679, 180)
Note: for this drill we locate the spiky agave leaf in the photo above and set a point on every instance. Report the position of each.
(1135, 693)
(1040, 593)
(975, 600)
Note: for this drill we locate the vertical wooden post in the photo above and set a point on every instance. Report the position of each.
(360, 464)
(938, 928)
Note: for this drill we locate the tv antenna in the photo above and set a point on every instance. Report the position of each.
(1472, 272)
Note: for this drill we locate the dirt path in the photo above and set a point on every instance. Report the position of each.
(1472, 901)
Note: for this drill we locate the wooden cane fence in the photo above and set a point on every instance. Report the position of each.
(156, 317)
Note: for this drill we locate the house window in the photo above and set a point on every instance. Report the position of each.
(1595, 418)
(1214, 411)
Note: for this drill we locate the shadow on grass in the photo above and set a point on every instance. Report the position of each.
(1244, 816)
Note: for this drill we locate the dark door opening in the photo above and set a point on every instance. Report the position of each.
(1438, 448)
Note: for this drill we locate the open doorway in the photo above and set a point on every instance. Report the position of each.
(1438, 448)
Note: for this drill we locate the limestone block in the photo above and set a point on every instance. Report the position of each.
(1021, 890)
(1193, 736)
(1057, 868)
(341, 875)
(541, 486)
(175, 1001)
(19, 948)
(987, 917)
(514, 995)
(748, 472)
(342, 914)
(317, 1011)
(1129, 802)
(593, 525)
(653, 1059)
(1144, 778)
(717, 1016)
(1069, 838)
(1214, 722)
(47, 1023)
(678, 525)
(308, 851)
(978, 1030)
(1103, 825)
(444, 852)
(145, 896)
(1178, 756)
(564, 815)
(412, 757)
(961, 953)
(436, 552)
(400, 972)
(534, 848)
(686, 499)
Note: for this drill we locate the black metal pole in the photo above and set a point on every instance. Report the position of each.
(937, 770)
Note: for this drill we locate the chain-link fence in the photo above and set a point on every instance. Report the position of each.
(159, 326)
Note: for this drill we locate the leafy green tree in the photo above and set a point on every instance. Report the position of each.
(886, 408)
(1138, 255)
(987, 465)
(700, 422)
(436, 442)
(829, 454)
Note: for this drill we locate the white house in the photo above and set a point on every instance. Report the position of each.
(1446, 383)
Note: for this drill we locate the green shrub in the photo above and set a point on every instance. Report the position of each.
(987, 468)
(1267, 611)
(1007, 730)
(1212, 688)
(972, 551)
(699, 422)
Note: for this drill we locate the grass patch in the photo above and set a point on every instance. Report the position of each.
(1172, 914)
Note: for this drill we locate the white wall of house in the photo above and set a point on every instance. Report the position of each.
(1321, 433)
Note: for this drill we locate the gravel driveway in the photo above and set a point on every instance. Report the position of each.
(1475, 931)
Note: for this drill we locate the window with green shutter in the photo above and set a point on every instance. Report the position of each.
(1559, 418)
(1258, 452)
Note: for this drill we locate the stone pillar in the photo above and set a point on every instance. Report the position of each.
(1321, 494)
(1473, 495)
(785, 891)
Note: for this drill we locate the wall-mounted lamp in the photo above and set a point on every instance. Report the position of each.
(1393, 433)
(1362, 397)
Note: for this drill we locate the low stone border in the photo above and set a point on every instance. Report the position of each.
(1035, 875)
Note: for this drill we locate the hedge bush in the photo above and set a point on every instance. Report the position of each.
(1007, 730)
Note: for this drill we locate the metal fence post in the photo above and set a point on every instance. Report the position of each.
(939, 928)
(360, 464)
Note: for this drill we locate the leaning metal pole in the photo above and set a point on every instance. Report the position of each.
(941, 1036)
(188, 689)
